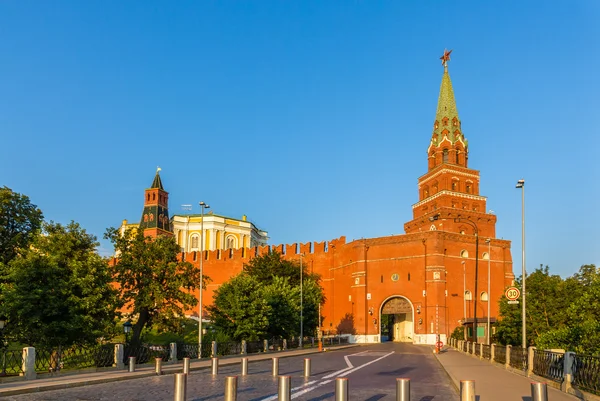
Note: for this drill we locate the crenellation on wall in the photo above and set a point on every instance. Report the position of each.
(319, 247)
(291, 249)
(277, 248)
(306, 248)
(263, 250)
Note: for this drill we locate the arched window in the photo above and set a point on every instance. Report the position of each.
(484, 296)
(485, 256)
(230, 242)
(454, 185)
(464, 253)
(468, 296)
(153, 196)
(445, 156)
(195, 241)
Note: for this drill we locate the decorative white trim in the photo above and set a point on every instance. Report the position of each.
(450, 193)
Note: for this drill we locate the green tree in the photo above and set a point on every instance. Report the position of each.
(154, 285)
(270, 287)
(58, 291)
(20, 221)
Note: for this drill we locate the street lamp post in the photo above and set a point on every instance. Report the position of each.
(521, 185)
(301, 304)
(475, 295)
(202, 207)
(487, 339)
(464, 296)
(4, 345)
(127, 329)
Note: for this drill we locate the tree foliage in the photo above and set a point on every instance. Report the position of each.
(264, 300)
(58, 291)
(560, 313)
(20, 221)
(154, 285)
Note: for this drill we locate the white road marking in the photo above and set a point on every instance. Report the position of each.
(366, 364)
(303, 389)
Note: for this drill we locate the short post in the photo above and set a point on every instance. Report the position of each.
(29, 363)
(492, 352)
(215, 366)
(173, 353)
(508, 349)
(284, 344)
(244, 366)
(275, 366)
(467, 390)
(539, 391)
(180, 386)
(306, 367)
(231, 388)
(186, 366)
(530, 355)
(285, 388)
(214, 349)
(341, 389)
(481, 351)
(119, 355)
(158, 366)
(402, 389)
(132, 363)
(244, 347)
(312, 342)
(568, 360)
(266, 346)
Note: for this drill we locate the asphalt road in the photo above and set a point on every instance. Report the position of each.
(371, 371)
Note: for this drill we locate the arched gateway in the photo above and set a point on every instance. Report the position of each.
(397, 319)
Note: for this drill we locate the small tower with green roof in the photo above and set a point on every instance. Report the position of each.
(155, 217)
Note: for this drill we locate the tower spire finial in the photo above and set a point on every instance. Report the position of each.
(445, 58)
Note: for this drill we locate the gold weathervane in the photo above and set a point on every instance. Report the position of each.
(158, 169)
(446, 57)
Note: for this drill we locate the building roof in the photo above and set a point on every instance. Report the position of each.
(157, 183)
(446, 116)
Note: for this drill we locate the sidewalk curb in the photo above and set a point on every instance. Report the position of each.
(455, 382)
(26, 386)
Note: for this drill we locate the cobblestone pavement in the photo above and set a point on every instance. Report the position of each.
(371, 371)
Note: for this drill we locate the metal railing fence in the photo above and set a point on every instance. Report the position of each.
(586, 373)
(11, 362)
(487, 351)
(518, 358)
(500, 354)
(549, 365)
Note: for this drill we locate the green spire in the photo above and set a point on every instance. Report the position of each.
(157, 183)
(446, 116)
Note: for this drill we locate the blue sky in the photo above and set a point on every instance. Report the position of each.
(310, 117)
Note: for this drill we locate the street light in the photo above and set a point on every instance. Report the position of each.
(464, 296)
(475, 295)
(489, 242)
(301, 304)
(202, 207)
(4, 345)
(521, 185)
(127, 329)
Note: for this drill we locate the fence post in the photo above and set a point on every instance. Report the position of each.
(119, 354)
(173, 353)
(492, 352)
(530, 355)
(481, 351)
(266, 345)
(508, 349)
(568, 360)
(284, 344)
(244, 347)
(214, 349)
(29, 363)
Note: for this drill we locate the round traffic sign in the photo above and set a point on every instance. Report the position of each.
(512, 293)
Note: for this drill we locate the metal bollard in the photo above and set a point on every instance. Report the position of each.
(341, 389)
(186, 366)
(231, 388)
(180, 386)
(275, 366)
(132, 363)
(158, 366)
(215, 366)
(244, 366)
(306, 367)
(539, 391)
(467, 390)
(402, 389)
(285, 388)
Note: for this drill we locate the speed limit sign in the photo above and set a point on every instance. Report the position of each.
(512, 293)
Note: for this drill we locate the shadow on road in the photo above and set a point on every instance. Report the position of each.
(375, 397)
(397, 372)
(323, 397)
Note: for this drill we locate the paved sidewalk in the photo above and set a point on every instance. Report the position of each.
(84, 379)
(492, 383)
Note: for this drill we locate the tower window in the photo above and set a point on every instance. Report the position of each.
(468, 295)
(153, 196)
(195, 241)
(468, 188)
(454, 186)
(230, 242)
(445, 156)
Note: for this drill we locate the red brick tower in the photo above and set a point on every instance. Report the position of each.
(155, 218)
